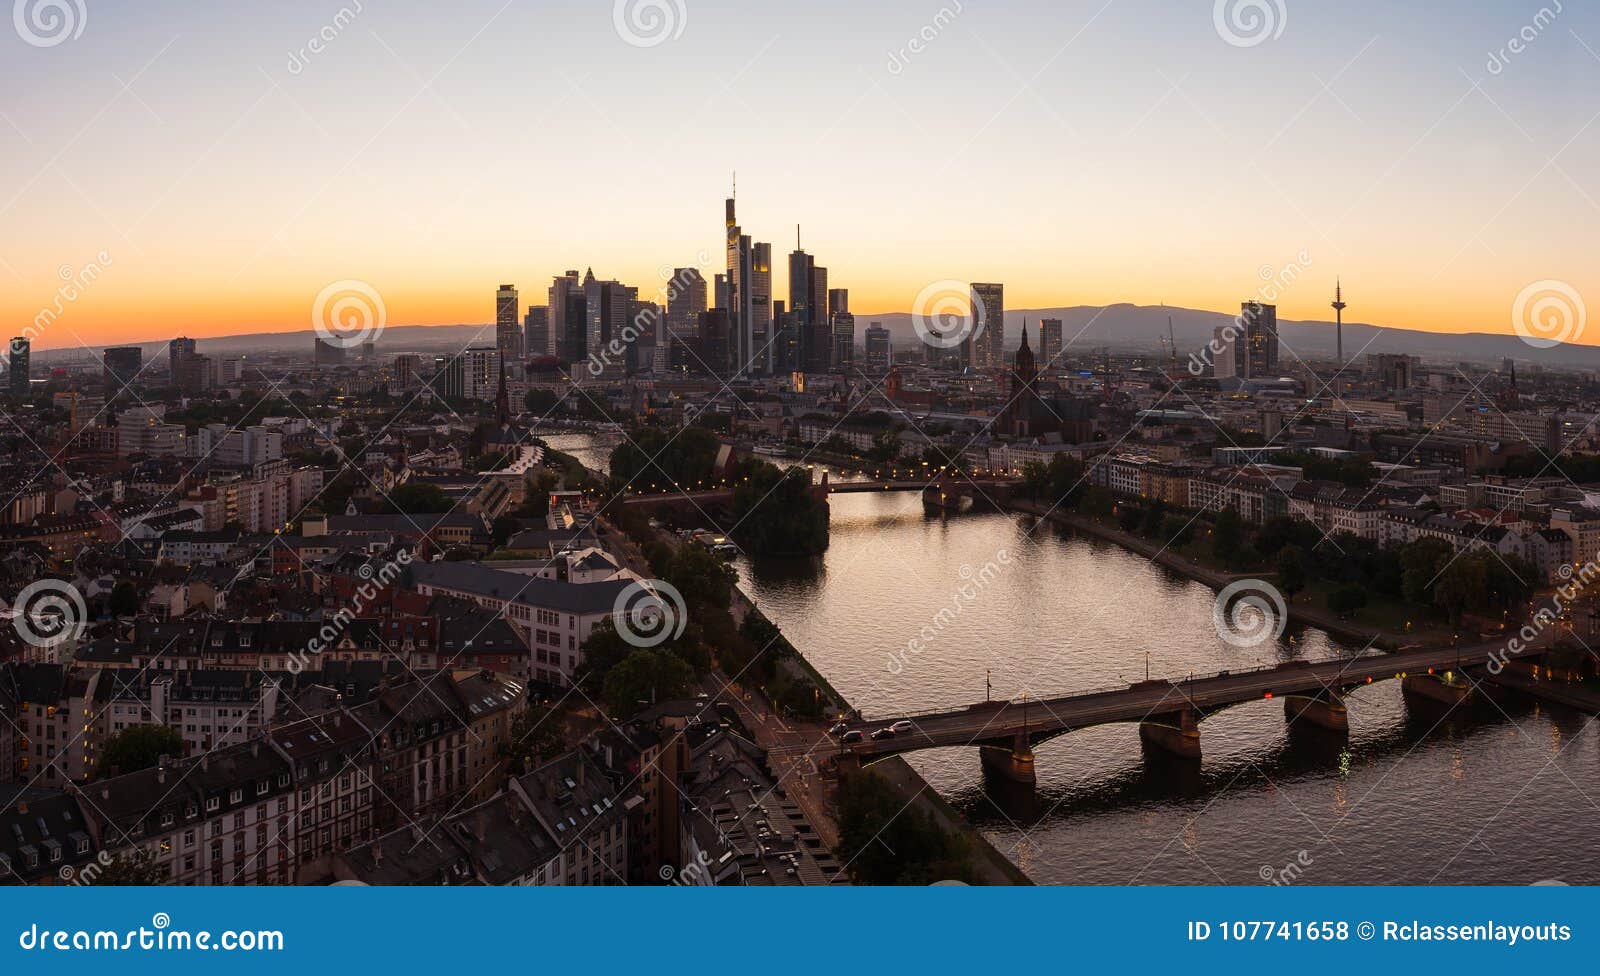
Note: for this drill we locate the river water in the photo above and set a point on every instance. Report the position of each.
(1504, 795)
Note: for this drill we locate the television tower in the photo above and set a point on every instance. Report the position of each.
(1338, 311)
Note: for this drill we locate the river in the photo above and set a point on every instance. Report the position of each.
(1493, 797)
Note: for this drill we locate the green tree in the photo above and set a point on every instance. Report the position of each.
(139, 747)
(1292, 572)
(1227, 535)
(701, 578)
(537, 735)
(887, 842)
(1097, 502)
(646, 676)
(137, 870)
(1420, 564)
(1463, 585)
(1346, 600)
(776, 513)
(503, 528)
(418, 499)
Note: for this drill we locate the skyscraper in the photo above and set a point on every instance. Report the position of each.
(686, 299)
(176, 350)
(799, 311)
(568, 318)
(1049, 344)
(986, 350)
(879, 347)
(844, 340)
(1260, 324)
(761, 307)
(819, 335)
(122, 364)
(838, 300)
(507, 330)
(741, 292)
(536, 331)
(21, 351)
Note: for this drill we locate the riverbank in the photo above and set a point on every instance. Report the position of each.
(914, 792)
(1300, 613)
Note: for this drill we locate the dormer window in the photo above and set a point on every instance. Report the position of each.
(236, 795)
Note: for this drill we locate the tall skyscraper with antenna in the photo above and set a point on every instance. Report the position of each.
(1338, 320)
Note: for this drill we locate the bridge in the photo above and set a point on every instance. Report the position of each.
(943, 493)
(1168, 712)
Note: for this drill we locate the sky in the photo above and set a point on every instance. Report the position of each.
(216, 171)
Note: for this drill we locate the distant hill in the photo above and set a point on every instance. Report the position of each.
(1141, 327)
(1084, 327)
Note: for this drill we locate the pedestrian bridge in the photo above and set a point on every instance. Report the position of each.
(1168, 712)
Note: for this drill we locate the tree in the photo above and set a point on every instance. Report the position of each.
(1347, 600)
(1420, 563)
(604, 649)
(700, 578)
(1227, 535)
(646, 676)
(776, 513)
(1097, 502)
(139, 747)
(1463, 585)
(886, 842)
(418, 499)
(1292, 571)
(503, 528)
(537, 735)
(137, 870)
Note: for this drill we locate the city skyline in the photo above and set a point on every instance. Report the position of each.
(1439, 176)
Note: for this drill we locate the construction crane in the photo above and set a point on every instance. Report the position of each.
(1172, 345)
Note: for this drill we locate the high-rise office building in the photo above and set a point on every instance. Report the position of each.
(1260, 325)
(1049, 344)
(568, 318)
(407, 370)
(880, 349)
(785, 340)
(844, 339)
(176, 350)
(761, 307)
(21, 352)
(741, 292)
(714, 354)
(1229, 358)
(686, 299)
(606, 305)
(536, 331)
(838, 300)
(801, 265)
(324, 353)
(122, 365)
(986, 349)
(507, 330)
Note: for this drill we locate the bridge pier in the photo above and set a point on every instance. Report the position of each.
(1449, 689)
(1175, 732)
(1014, 762)
(1324, 708)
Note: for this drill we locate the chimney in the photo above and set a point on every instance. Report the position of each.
(22, 808)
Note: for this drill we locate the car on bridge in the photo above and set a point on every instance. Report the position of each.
(887, 732)
(901, 727)
(854, 735)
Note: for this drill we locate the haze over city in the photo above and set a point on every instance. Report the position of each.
(1083, 153)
